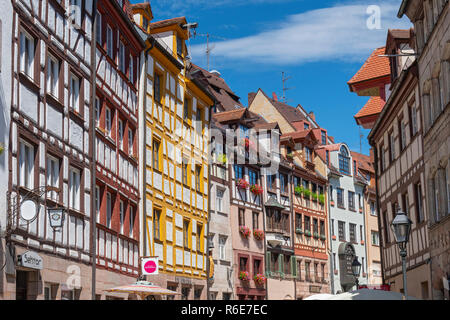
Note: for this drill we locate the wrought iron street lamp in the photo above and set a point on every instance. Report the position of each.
(356, 270)
(402, 229)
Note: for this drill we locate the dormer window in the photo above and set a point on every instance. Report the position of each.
(306, 126)
(179, 46)
(344, 159)
(145, 23)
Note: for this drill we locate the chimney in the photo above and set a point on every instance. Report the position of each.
(274, 95)
(312, 116)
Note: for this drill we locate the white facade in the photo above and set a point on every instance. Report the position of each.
(346, 215)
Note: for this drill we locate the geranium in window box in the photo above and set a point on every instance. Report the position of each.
(307, 233)
(333, 237)
(259, 279)
(244, 276)
(298, 231)
(316, 235)
(258, 234)
(322, 237)
(307, 193)
(315, 196)
(256, 189)
(245, 231)
(298, 191)
(242, 184)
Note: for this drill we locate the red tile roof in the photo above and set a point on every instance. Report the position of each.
(374, 67)
(374, 106)
(364, 162)
(168, 22)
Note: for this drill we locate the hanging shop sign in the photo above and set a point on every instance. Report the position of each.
(30, 260)
(150, 266)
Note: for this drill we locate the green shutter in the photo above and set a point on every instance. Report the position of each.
(294, 266)
(280, 263)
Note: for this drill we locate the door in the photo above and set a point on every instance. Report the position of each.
(21, 285)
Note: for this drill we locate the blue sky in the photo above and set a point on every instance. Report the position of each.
(320, 44)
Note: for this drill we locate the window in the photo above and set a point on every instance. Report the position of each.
(373, 208)
(361, 233)
(99, 29)
(186, 233)
(198, 178)
(412, 120)
(315, 226)
(435, 198)
(75, 93)
(238, 172)
(256, 266)
(328, 157)
(130, 142)
(122, 215)
(98, 110)
(197, 294)
(122, 57)
(184, 293)
(144, 23)
(405, 203)
(287, 264)
(185, 172)
(307, 271)
(157, 88)
(121, 131)
(27, 53)
(219, 200)
(308, 154)
(108, 121)
(332, 227)
(241, 217)
(308, 223)
(375, 238)
(243, 264)
(76, 11)
(271, 181)
(109, 42)
(382, 159)
(108, 209)
(340, 197)
(360, 201)
(157, 224)
(199, 237)
(283, 183)
(74, 189)
(344, 161)
(26, 161)
(323, 272)
(298, 221)
(179, 46)
(131, 69)
(255, 216)
(331, 193)
(297, 182)
(53, 76)
(401, 127)
(253, 177)
(50, 291)
(351, 200)
(97, 203)
(222, 244)
(53, 176)
(341, 230)
(391, 147)
(186, 108)
(155, 155)
(306, 126)
(316, 272)
(322, 228)
(199, 123)
(385, 227)
(324, 138)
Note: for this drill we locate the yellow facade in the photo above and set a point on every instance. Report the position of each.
(176, 197)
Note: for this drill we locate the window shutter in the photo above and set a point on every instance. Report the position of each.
(294, 266)
(31, 57)
(268, 257)
(281, 263)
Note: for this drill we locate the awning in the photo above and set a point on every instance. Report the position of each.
(273, 203)
(143, 289)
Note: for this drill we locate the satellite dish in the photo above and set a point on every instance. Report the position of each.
(28, 210)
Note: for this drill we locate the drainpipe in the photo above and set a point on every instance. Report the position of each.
(291, 193)
(330, 250)
(378, 208)
(208, 264)
(93, 125)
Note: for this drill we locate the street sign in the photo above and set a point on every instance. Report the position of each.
(30, 260)
(150, 266)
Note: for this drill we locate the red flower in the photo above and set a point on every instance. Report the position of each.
(258, 234)
(242, 184)
(245, 231)
(256, 189)
(259, 279)
(244, 276)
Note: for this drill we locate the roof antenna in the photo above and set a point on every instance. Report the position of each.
(285, 89)
(209, 47)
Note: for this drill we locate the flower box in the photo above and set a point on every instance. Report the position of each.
(298, 191)
(307, 193)
(333, 237)
(315, 196)
(256, 189)
(244, 276)
(258, 234)
(316, 235)
(307, 233)
(298, 231)
(245, 231)
(259, 279)
(322, 199)
(242, 184)
(322, 237)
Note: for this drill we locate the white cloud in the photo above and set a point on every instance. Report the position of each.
(334, 33)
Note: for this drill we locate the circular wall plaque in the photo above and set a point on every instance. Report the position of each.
(28, 210)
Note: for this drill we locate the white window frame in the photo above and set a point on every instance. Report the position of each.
(97, 203)
(131, 71)
(108, 121)
(121, 131)
(74, 93)
(131, 218)
(130, 142)
(74, 188)
(99, 28)
(109, 209)
(109, 41)
(122, 215)
(52, 176)
(222, 247)
(97, 110)
(27, 54)
(219, 200)
(26, 165)
(53, 76)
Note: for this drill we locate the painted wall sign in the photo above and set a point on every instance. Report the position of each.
(150, 266)
(30, 260)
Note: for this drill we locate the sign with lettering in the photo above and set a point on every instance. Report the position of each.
(30, 260)
(150, 266)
